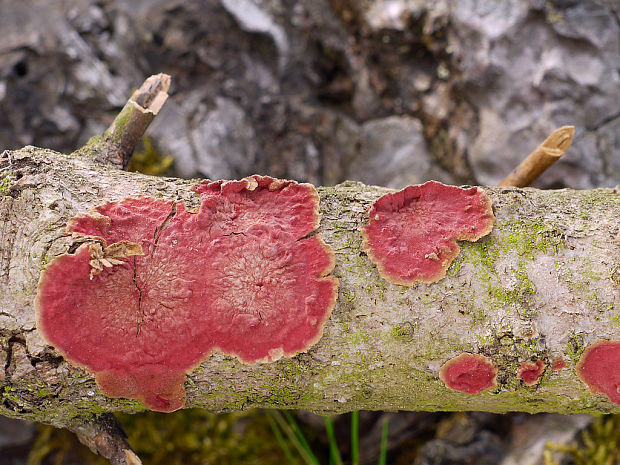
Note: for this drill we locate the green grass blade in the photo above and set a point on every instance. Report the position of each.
(296, 436)
(300, 435)
(384, 443)
(334, 453)
(355, 452)
(278, 434)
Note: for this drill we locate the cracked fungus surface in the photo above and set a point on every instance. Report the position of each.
(412, 234)
(240, 276)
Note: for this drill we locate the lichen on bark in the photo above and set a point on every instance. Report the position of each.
(543, 285)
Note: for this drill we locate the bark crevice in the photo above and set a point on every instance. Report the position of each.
(543, 285)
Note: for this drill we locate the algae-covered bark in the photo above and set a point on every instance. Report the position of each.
(543, 285)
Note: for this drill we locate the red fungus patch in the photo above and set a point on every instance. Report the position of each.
(558, 364)
(599, 368)
(530, 372)
(159, 288)
(412, 234)
(469, 373)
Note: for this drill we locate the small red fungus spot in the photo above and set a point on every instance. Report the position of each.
(599, 368)
(558, 364)
(412, 234)
(530, 372)
(469, 373)
(159, 289)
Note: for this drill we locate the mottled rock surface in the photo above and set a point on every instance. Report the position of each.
(388, 92)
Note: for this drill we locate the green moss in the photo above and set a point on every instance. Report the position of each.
(404, 331)
(520, 239)
(521, 294)
(121, 122)
(599, 445)
(39, 389)
(455, 266)
(10, 393)
(358, 337)
(484, 339)
(149, 160)
(281, 395)
(6, 179)
(526, 238)
(90, 149)
(575, 347)
(188, 437)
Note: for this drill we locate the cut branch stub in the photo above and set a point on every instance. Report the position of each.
(239, 276)
(412, 234)
(121, 138)
(541, 158)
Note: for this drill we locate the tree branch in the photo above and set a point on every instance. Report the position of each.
(542, 286)
(543, 156)
(121, 138)
(104, 435)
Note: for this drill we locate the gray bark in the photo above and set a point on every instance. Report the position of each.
(543, 285)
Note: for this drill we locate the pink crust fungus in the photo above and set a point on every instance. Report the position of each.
(157, 289)
(531, 372)
(412, 234)
(558, 364)
(469, 373)
(599, 368)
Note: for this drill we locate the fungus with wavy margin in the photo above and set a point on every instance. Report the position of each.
(412, 233)
(156, 289)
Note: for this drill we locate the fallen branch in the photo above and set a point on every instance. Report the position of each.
(542, 286)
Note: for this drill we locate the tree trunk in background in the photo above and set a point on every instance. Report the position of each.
(543, 285)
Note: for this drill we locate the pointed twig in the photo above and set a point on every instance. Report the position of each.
(545, 155)
(104, 435)
(120, 139)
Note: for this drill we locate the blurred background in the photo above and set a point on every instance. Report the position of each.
(388, 92)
